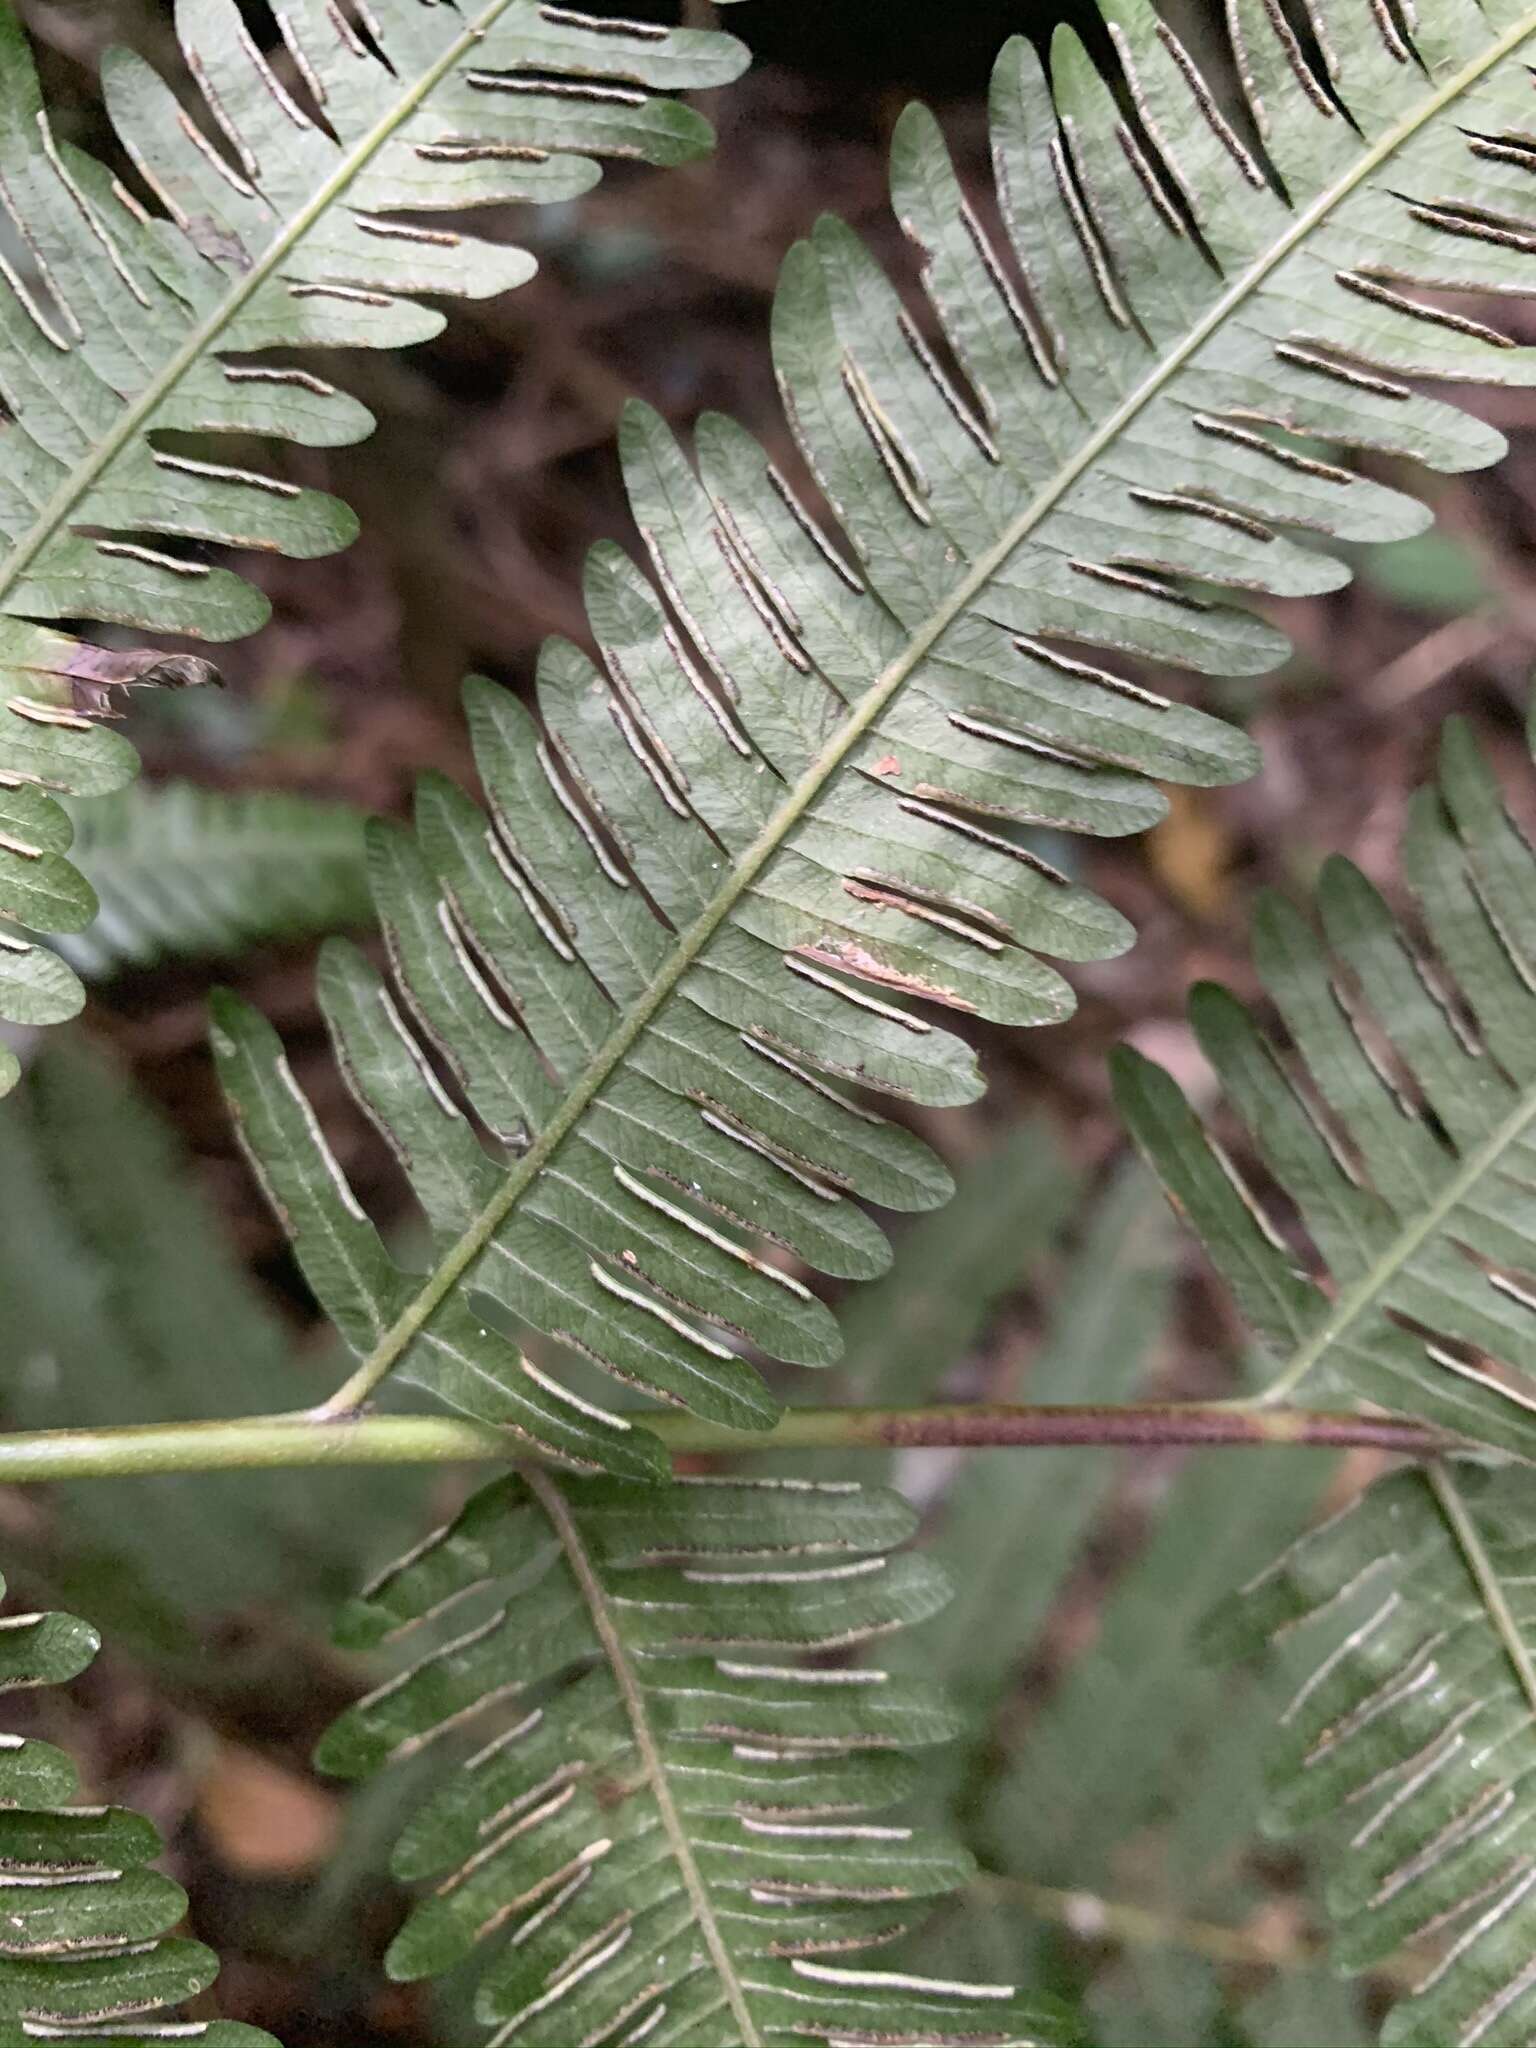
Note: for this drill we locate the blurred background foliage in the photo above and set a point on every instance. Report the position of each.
(141, 1276)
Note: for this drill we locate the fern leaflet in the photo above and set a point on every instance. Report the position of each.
(1403, 1128)
(1408, 1623)
(666, 1816)
(182, 872)
(718, 875)
(134, 342)
(84, 1954)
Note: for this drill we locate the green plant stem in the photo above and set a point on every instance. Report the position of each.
(319, 1439)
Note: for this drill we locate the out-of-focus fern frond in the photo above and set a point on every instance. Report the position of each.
(86, 1954)
(121, 1302)
(953, 1267)
(1401, 1124)
(1100, 1760)
(1132, 1796)
(135, 342)
(1011, 1528)
(1408, 1628)
(182, 872)
(1138, 1782)
(716, 880)
(668, 1812)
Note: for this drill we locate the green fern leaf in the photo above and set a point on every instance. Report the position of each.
(136, 342)
(665, 1816)
(1408, 1624)
(1135, 1787)
(121, 1303)
(1402, 1130)
(715, 882)
(181, 873)
(84, 1953)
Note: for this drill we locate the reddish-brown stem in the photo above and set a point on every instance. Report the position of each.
(1174, 1423)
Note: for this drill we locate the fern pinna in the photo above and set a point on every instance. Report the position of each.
(1399, 1127)
(666, 1818)
(85, 1950)
(182, 873)
(1406, 1624)
(133, 341)
(724, 875)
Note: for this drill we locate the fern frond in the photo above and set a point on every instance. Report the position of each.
(1140, 1778)
(1408, 1625)
(714, 884)
(667, 1808)
(1102, 1758)
(182, 872)
(1402, 1126)
(85, 1952)
(134, 344)
(121, 1302)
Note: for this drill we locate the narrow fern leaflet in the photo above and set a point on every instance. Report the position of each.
(145, 325)
(672, 1825)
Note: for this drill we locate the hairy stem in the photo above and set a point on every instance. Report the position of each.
(288, 1440)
